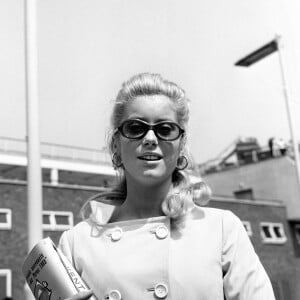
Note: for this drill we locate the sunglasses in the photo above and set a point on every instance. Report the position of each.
(136, 129)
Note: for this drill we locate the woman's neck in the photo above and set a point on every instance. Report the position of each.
(142, 201)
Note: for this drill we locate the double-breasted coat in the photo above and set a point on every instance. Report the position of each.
(210, 258)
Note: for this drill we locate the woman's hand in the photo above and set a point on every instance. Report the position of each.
(82, 295)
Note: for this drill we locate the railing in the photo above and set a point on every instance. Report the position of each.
(244, 157)
(55, 151)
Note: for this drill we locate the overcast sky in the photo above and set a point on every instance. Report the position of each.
(87, 48)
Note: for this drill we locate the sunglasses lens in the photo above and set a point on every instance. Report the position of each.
(134, 129)
(167, 131)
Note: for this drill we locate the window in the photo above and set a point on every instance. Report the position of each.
(244, 194)
(297, 233)
(5, 218)
(272, 233)
(248, 228)
(57, 220)
(5, 283)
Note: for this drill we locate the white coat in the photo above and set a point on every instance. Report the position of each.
(211, 258)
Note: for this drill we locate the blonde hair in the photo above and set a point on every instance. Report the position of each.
(176, 203)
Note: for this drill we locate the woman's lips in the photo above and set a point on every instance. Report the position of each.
(150, 157)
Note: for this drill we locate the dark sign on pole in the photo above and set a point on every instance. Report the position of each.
(258, 54)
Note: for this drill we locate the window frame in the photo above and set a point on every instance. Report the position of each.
(244, 194)
(297, 233)
(8, 224)
(8, 274)
(53, 226)
(274, 239)
(248, 228)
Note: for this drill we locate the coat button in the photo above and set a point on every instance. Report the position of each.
(114, 295)
(161, 291)
(161, 232)
(116, 235)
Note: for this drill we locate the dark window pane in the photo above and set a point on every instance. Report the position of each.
(277, 231)
(244, 194)
(2, 287)
(297, 233)
(46, 219)
(3, 218)
(247, 228)
(266, 231)
(62, 220)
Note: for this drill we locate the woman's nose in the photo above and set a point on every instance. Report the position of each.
(150, 138)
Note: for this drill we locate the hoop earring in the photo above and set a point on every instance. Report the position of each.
(116, 160)
(182, 163)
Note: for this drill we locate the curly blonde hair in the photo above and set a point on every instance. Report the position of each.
(179, 200)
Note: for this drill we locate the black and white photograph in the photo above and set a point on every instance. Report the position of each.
(149, 150)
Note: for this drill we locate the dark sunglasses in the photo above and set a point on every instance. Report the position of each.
(137, 129)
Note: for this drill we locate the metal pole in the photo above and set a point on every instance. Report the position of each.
(34, 186)
(34, 181)
(288, 108)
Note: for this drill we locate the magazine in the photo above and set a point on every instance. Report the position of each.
(49, 273)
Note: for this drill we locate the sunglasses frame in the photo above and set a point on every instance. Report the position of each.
(150, 127)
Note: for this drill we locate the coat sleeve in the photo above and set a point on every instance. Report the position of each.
(244, 277)
(65, 246)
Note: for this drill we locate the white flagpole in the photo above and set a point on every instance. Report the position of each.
(34, 181)
(288, 109)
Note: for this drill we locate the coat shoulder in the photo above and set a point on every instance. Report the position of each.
(212, 213)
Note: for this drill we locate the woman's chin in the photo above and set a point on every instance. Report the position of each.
(148, 177)
(151, 177)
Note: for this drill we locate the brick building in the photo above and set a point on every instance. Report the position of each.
(268, 229)
(70, 176)
(60, 211)
(69, 182)
(248, 172)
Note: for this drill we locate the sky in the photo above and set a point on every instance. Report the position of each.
(87, 48)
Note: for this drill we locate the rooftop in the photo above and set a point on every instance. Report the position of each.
(243, 151)
(13, 152)
(62, 164)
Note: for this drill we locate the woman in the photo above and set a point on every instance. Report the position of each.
(146, 239)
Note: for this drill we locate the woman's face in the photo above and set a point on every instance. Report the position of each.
(149, 160)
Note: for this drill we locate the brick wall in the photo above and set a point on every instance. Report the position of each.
(13, 242)
(278, 259)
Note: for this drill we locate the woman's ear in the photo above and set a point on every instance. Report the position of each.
(182, 144)
(115, 144)
(116, 153)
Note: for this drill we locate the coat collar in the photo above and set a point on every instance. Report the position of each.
(101, 211)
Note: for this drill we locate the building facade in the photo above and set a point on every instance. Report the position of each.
(72, 181)
(251, 174)
(70, 176)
